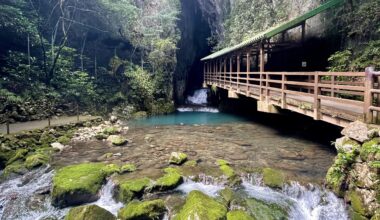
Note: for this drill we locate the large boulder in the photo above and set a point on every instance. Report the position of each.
(199, 206)
(147, 210)
(346, 145)
(131, 189)
(359, 131)
(77, 184)
(170, 180)
(117, 140)
(239, 215)
(89, 212)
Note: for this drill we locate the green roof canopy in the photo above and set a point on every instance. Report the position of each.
(276, 30)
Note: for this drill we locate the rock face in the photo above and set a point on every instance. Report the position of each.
(355, 172)
(77, 184)
(92, 212)
(201, 207)
(154, 209)
(177, 158)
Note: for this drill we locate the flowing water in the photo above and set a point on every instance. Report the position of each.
(304, 155)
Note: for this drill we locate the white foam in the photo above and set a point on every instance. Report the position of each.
(199, 97)
(198, 109)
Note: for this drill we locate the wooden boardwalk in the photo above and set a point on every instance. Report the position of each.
(336, 98)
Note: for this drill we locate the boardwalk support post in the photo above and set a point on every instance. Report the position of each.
(368, 98)
(317, 101)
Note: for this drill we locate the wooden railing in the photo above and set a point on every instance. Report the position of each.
(335, 97)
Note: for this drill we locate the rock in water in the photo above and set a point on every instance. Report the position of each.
(131, 189)
(201, 207)
(239, 215)
(170, 180)
(273, 178)
(358, 131)
(77, 184)
(154, 209)
(177, 158)
(117, 140)
(90, 212)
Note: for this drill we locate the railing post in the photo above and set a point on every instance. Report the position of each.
(262, 63)
(231, 72)
(368, 117)
(283, 94)
(225, 72)
(317, 101)
(248, 71)
(238, 72)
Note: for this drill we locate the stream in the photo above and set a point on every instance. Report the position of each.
(205, 135)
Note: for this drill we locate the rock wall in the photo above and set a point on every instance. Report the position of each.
(355, 174)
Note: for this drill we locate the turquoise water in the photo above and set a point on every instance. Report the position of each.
(189, 118)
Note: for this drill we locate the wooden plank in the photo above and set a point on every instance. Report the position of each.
(343, 101)
(354, 88)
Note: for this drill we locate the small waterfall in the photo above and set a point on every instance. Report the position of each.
(199, 97)
(106, 200)
(207, 187)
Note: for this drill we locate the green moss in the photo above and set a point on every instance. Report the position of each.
(36, 160)
(64, 140)
(227, 171)
(376, 216)
(19, 155)
(170, 180)
(273, 178)
(335, 179)
(222, 162)
(17, 167)
(110, 131)
(191, 163)
(110, 169)
(140, 114)
(77, 184)
(135, 210)
(127, 168)
(375, 164)
(132, 189)
(201, 207)
(101, 136)
(262, 210)
(90, 212)
(370, 150)
(227, 195)
(177, 158)
(239, 215)
(357, 203)
(356, 216)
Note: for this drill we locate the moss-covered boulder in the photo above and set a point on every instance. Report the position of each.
(371, 150)
(131, 189)
(147, 210)
(36, 160)
(19, 155)
(199, 206)
(191, 163)
(117, 140)
(263, 210)
(239, 215)
(170, 180)
(110, 169)
(77, 184)
(357, 203)
(273, 178)
(16, 168)
(101, 136)
(346, 145)
(65, 140)
(128, 168)
(89, 212)
(110, 131)
(177, 158)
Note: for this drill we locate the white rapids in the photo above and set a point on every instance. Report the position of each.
(199, 97)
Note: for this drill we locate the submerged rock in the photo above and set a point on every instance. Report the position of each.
(148, 210)
(128, 168)
(77, 184)
(110, 169)
(273, 178)
(170, 180)
(239, 215)
(90, 212)
(117, 140)
(201, 207)
(131, 189)
(262, 210)
(177, 158)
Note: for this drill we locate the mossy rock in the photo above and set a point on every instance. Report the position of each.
(128, 168)
(239, 215)
(17, 168)
(110, 169)
(132, 189)
(19, 155)
(370, 150)
(77, 184)
(177, 158)
(221, 162)
(273, 178)
(356, 216)
(147, 210)
(262, 210)
(170, 180)
(117, 140)
(199, 206)
(357, 203)
(48, 137)
(110, 131)
(65, 140)
(89, 212)
(376, 216)
(101, 136)
(36, 160)
(335, 179)
(191, 163)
